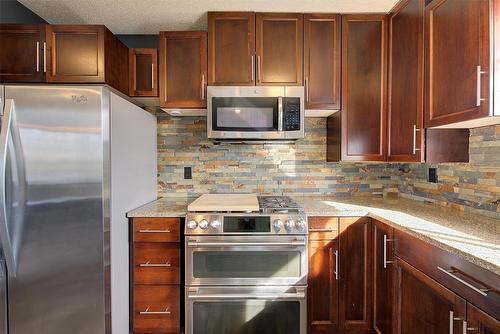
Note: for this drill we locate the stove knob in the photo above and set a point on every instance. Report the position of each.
(203, 224)
(289, 224)
(215, 224)
(301, 225)
(277, 225)
(192, 224)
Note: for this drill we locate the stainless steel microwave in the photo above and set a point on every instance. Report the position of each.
(255, 113)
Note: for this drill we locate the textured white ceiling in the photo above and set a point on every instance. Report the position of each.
(152, 16)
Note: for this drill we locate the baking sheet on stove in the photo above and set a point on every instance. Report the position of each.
(225, 202)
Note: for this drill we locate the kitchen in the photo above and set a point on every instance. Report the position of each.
(249, 167)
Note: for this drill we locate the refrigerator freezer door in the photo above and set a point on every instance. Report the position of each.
(3, 298)
(59, 285)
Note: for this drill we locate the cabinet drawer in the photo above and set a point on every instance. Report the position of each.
(156, 309)
(323, 228)
(157, 229)
(156, 263)
(462, 277)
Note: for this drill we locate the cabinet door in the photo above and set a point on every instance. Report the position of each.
(425, 306)
(21, 53)
(322, 38)
(231, 41)
(363, 87)
(279, 48)
(383, 273)
(75, 53)
(405, 108)
(322, 295)
(355, 273)
(183, 69)
(143, 73)
(480, 322)
(457, 53)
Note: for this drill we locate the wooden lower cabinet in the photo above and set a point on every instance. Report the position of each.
(156, 276)
(425, 306)
(480, 322)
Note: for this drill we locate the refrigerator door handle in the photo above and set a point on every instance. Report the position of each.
(4, 229)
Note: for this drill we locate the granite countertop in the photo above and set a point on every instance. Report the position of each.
(470, 236)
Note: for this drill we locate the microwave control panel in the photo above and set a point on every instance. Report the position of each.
(291, 113)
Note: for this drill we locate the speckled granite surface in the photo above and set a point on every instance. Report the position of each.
(472, 237)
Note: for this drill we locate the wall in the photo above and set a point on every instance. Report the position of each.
(12, 11)
(300, 168)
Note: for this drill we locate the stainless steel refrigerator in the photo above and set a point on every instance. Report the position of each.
(73, 160)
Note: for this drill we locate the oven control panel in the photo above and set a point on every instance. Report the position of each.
(216, 224)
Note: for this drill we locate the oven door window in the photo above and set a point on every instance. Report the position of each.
(246, 264)
(246, 317)
(245, 114)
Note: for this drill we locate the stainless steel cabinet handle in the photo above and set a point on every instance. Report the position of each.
(148, 264)
(243, 296)
(280, 113)
(415, 149)
(452, 320)
(152, 76)
(478, 82)
(481, 291)
(336, 272)
(466, 329)
(322, 230)
(154, 312)
(203, 86)
(253, 67)
(307, 88)
(385, 251)
(258, 68)
(154, 231)
(224, 244)
(38, 56)
(44, 57)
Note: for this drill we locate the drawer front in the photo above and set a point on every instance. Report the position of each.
(157, 229)
(462, 277)
(156, 309)
(156, 263)
(323, 228)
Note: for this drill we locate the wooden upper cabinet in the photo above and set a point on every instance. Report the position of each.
(480, 322)
(355, 273)
(425, 306)
(457, 71)
(86, 54)
(143, 74)
(405, 109)
(231, 42)
(279, 48)
(183, 69)
(21, 53)
(322, 39)
(358, 132)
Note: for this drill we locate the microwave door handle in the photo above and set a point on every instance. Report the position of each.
(280, 114)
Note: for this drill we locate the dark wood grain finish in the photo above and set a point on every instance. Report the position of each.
(383, 289)
(156, 229)
(457, 39)
(447, 145)
(334, 137)
(279, 48)
(147, 254)
(322, 39)
(19, 53)
(116, 60)
(231, 45)
(423, 305)
(156, 298)
(183, 69)
(143, 72)
(481, 322)
(405, 137)
(75, 53)
(356, 273)
(364, 39)
(427, 258)
(323, 228)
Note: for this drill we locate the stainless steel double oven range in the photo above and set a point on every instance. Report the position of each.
(246, 272)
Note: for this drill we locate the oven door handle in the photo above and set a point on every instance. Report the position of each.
(244, 296)
(294, 243)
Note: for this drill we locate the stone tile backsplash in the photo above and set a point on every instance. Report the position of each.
(301, 168)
